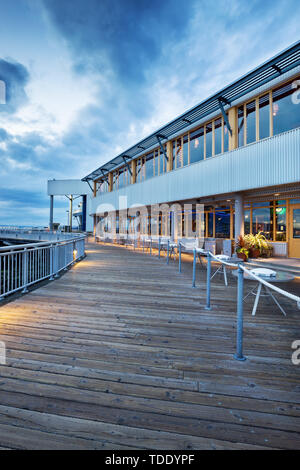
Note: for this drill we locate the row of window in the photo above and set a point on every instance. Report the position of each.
(269, 217)
(271, 113)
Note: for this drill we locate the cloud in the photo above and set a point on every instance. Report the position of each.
(15, 76)
(117, 37)
(143, 62)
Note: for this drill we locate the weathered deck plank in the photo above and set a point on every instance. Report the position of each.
(120, 353)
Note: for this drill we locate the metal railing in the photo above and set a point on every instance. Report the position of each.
(24, 265)
(241, 269)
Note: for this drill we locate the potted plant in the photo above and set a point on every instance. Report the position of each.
(257, 244)
(242, 249)
(242, 253)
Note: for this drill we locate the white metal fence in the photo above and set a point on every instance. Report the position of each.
(24, 265)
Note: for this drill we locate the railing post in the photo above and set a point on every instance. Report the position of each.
(51, 263)
(194, 268)
(151, 246)
(179, 250)
(168, 251)
(55, 261)
(25, 271)
(158, 247)
(208, 276)
(240, 314)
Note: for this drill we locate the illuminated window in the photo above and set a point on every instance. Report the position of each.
(197, 145)
(208, 140)
(241, 122)
(218, 136)
(262, 221)
(264, 116)
(286, 109)
(225, 138)
(185, 150)
(251, 122)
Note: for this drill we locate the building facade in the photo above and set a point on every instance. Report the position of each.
(237, 154)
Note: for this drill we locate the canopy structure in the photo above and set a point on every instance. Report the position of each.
(281, 63)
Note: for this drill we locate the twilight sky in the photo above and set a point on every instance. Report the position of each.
(86, 79)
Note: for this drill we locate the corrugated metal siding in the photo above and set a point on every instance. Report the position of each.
(272, 161)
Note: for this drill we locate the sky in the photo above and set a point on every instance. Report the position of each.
(86, 79)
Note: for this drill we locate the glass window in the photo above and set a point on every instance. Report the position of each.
(294, 201)
(143, 169)
(251, 122)
(162, 162)
(179, 154)
(262, 204)
(264, 116)
(208, 140)
(174, 153)
(262, 221)
(210, 226)
(241, 123)
(156, 162)
(286, 111)
(218, 136)
(247, 227)
(197, 145)
(280, 220)
(149, 165)
(121, 178)
(138, 170)
(115, 180)
(296, 223)
(222, 219)
(225, 137)
(185, 150)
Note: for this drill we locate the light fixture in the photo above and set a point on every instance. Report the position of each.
(275, 109)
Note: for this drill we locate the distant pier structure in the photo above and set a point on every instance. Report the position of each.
(72, 189)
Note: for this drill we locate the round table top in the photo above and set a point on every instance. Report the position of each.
(281, 276)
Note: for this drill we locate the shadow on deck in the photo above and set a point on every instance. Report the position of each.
(120, 354)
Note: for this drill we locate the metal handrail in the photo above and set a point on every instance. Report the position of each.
(240, 289)
(24, 265)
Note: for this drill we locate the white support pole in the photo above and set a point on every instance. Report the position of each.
(71, 212)
(239, 216)
(51, 212)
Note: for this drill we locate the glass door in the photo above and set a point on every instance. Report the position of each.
(294, 249)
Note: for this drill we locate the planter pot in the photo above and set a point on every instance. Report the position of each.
(242, 256)
(254, 253)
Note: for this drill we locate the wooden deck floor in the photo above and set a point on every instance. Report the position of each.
(120, 354)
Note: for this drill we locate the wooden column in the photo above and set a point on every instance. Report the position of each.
(133, 171)
(170, 156)
(233, 121)
(110, 182)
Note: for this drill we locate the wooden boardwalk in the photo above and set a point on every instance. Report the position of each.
(119, 353)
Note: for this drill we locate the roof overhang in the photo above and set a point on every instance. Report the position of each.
(281, 63)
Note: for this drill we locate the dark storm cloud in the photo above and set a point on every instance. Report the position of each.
(126, 37)
(15, 76)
